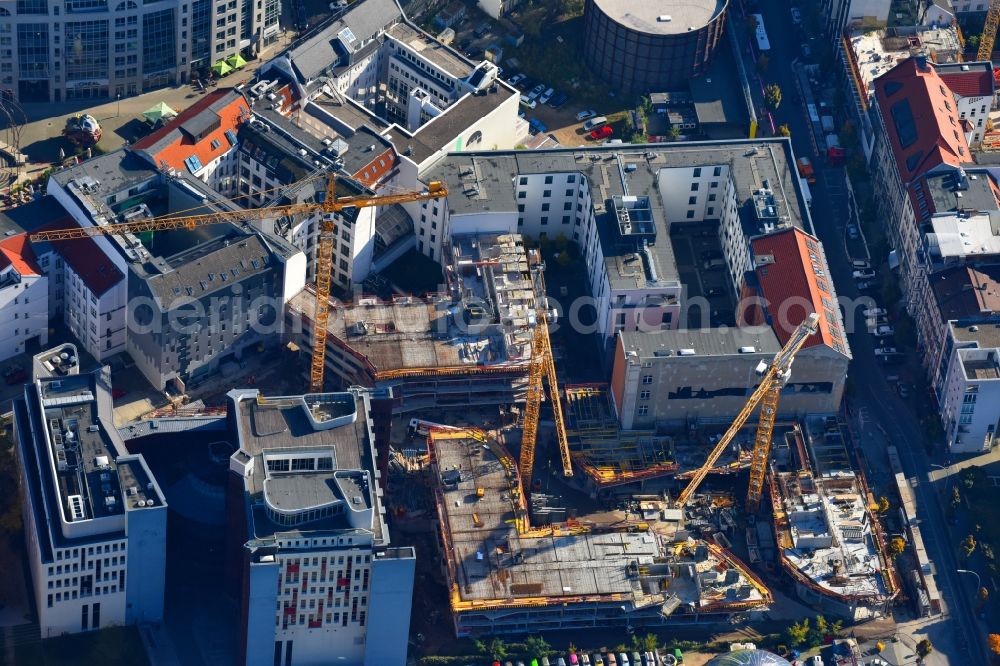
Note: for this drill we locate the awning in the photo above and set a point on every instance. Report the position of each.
(236, 61)
(221, 68)
(159, 112)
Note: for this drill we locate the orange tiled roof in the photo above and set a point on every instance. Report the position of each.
(172, 144)
(16, 251)
(795, 281)
(920, 119)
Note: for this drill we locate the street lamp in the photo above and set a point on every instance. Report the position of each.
(969, 571)
(118, 100)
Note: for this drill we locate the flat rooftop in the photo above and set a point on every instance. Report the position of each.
(492, 564)
(336, 488)
(651, 16)
(703, 341)
(428, 47)
(965, 235)
(485, 183)
(980, 364)
(986, 335)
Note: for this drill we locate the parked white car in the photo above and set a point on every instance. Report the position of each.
(864, 274)
(547, 95)
(584, 115)
(885, 351)
(873, 312)
(883, 331)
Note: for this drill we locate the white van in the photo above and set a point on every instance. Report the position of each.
(594, 123)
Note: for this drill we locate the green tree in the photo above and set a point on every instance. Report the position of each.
(984, 596)
(924, 648)
(772, 96)
(674, 132)
(536, 645)
(650, 642)
(496, 648)
(620, 647)
(956, 497)
(784, 130)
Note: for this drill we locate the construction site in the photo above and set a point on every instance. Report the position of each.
(506, 576)
(468, 345)
(828, 537)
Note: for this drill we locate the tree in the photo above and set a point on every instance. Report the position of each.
(537, 645)
(772, 96)
(994, 642)
(924, 648)
(968, 545)
(956, 497)
(674, 132)
(496, 648)
(784, 130)
(896, 546)
(650, 642)
(883, 505)
(638, 137)
(984, 596)
(797, 633)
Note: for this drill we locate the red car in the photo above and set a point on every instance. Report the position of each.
(601, 133)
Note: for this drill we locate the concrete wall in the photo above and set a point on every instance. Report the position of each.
(259, 611)
(389, 608)
(147, 563)
(674, 389)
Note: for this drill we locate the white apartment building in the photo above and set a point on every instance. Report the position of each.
(317, 576)
(24, 302)
(624, 207)
(970, 406)
(95, 519)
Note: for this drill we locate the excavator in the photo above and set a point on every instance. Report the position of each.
(773, 377)
(328, 207)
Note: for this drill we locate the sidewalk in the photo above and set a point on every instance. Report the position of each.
(120, 119)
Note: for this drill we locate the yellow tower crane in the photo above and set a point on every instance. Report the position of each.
(989, 36)
(330, 205)
(542, 367)
(773, 377)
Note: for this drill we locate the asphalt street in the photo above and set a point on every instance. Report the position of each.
(873, 394)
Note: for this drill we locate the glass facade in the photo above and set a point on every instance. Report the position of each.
(159, 41)
(33, 50)
(86, 50)
(642, 62)
(32, 7)
(80, 6)
(201, 32)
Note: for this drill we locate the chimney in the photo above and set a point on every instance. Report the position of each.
(921, 62)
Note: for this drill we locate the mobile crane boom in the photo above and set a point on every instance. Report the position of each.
(766, 395)
(330, 205)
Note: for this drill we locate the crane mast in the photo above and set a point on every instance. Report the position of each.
(542, 367)
(765, 396)
(989, 35)
(331, 205)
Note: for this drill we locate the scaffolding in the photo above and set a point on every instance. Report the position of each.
(608, 455)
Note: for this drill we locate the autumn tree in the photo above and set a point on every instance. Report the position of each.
(896, 546)
(772, 96)
(968, 545)
(994, 642)
(924, 648)
(784, 130)
(883, 505)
